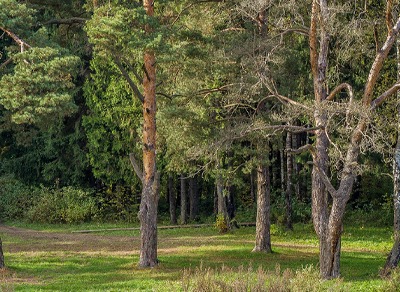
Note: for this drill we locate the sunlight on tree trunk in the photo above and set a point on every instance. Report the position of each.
(149, 202)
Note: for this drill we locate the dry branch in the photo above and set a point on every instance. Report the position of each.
(18, 40)
(136, 167)
(132, 84)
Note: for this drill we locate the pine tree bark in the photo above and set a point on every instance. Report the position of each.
(172, 199)
(252, 187)
(193, 198)
(151, 179)
(263, 223)
(184, 201)
(2, 264)
(289, 182)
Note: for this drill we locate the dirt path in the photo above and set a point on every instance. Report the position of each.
(32, 240)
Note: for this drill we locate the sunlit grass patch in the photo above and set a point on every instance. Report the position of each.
(62, 261)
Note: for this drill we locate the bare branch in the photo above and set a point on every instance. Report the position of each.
(5, 63)
(284, 99)
(281, 98)
(239, 104)
(379, 100)
(301, 31)
(340, 88)
(136, 167)
(307, 147)
(19, 41)
(288, 128)
(129, 80)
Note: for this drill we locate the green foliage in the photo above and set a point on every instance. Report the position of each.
(15, 198)
(39, 89)
(111, 125)
(45, 205)
(65, 205)
(119, 30)
(16, 16)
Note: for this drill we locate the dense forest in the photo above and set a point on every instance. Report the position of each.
(193, 111)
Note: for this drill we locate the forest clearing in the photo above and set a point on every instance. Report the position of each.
(155, 114)
(52, 258)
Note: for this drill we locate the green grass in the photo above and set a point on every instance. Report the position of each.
(108, 269)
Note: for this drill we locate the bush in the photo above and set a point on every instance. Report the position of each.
(118, 203)
(65, 205)
(15, 198)
(221, 224)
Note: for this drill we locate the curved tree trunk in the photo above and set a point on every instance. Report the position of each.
(263, 224)
(151, 179)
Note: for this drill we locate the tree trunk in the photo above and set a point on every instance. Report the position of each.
(252, 186)
(282, 168)
(193, 198)
(184, 201)
(151, 179)
(328, 258)
(172, 199)
(2, 265)
(393, 258)
(263, 224)
(289, 182)
(222, 209)
(230, 202)
(296, 168)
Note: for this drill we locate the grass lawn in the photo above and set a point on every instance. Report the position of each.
(51, 258)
